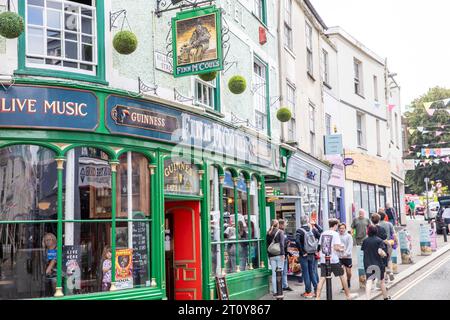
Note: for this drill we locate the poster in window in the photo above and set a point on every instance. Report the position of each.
(71, 268)
(124, 269)
(197, 41)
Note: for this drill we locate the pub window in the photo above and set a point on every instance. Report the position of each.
(205, 93)
(133, 225)
(254, 225)
(61, 35)
(243, 236)
(28, 192)
(229, 223)
(215, 221)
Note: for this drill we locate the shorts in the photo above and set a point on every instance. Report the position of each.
(382, 273)
(447, 220)
(336, 269)
(346, 262)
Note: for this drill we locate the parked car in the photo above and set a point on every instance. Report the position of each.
(443, 202)
(434, 209)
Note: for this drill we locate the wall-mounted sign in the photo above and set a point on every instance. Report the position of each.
(311, 175)
(172, 125)
(48, 108)
(348, 162)
(163, 63)
(144, 119)
(197, 41)
(181, 177)
(337, 176)
(333, 144)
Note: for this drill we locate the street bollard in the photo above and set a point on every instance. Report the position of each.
(328, 278)
(279, 276)
(444, 232)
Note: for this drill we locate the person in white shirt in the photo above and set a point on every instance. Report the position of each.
(345, 257)
(330, 245)
(446, 216)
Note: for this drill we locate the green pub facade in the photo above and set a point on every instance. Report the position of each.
(110, 193)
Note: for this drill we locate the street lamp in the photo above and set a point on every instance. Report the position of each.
(427, 180)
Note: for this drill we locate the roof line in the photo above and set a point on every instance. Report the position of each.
(315, 13)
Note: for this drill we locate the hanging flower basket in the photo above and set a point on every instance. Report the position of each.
(237, 84)
(11, 25)
(125, 42)
(284, 114)
(210, 76)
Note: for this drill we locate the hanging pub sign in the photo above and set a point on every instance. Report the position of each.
(197, 41)
(181, 177)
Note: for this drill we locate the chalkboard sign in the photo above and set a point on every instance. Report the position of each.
(140, 255)
(222, 289)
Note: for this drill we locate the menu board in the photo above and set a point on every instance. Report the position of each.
(140, 255)
(222, 289)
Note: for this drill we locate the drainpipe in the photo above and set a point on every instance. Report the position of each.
(280, 62)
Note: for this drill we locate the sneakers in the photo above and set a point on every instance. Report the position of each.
(388, 298)
(391, 276)
(308, 295)
(288, 289)
(352, 296)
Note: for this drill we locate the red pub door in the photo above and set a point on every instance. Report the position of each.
(185, 237)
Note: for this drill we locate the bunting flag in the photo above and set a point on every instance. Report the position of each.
(428, 105)
(439, 133)
(420, 129)
(412, 131)
(391, 107)
(431, 112)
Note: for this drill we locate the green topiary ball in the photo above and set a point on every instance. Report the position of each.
(237, 84)
(284, 114)
(11, 25)
(210, 76)
(125, 42)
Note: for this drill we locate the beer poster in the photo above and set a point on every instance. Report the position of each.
(124, 269)
(197, 41)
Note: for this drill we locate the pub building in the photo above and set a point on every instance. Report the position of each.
(178, 197)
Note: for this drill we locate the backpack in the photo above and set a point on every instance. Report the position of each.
(274, 248)
(311, 243)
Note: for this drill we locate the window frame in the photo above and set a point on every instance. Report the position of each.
(328, 124)
(360, 130)
(312, 128)
(288, 36)
(291, 97)
(215, 96)
(260, 10)
(375, 88)
(357, 77)
(100, 75)
(326, 67)
(309, 48)
(264, 114)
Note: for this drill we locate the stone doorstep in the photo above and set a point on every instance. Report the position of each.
(409, 271)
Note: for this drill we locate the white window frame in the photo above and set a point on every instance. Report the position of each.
(360, 130)
(375, 88)
(326, 67)
(259, 9)
(309, 48)
(378, 125)
(328, 124)
(312, 128)
(79, 42)
(211, 95)
(291, 97)
(260, 95)
(288, 38)
(358, 81)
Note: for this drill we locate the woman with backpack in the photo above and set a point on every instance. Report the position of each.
(276, 251)
(307, 242)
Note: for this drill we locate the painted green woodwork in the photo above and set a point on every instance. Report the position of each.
(101, 68)
(114, 165)
(250, 284)
(60, 226)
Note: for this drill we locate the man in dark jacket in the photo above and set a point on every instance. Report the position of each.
(304, 239)
(391, 214)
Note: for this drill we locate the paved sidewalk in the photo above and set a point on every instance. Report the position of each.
(413, 227)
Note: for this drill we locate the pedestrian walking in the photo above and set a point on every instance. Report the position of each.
(345, 257)
(374, 252)
(446, 216)
(276, 251)
(391, 214)
(319, 230)
(412, 209)
(359, 227)
(282, 226)
(390, 241)
(330, 242)
(307, 240)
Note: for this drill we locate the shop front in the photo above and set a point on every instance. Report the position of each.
(105, 196)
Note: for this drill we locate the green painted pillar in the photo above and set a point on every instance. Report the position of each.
(262, 210)
(150, 252)
(114, 165)
(236, 221)
(60, 167)
(249, 236)
(158, 225)
(206, 231)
